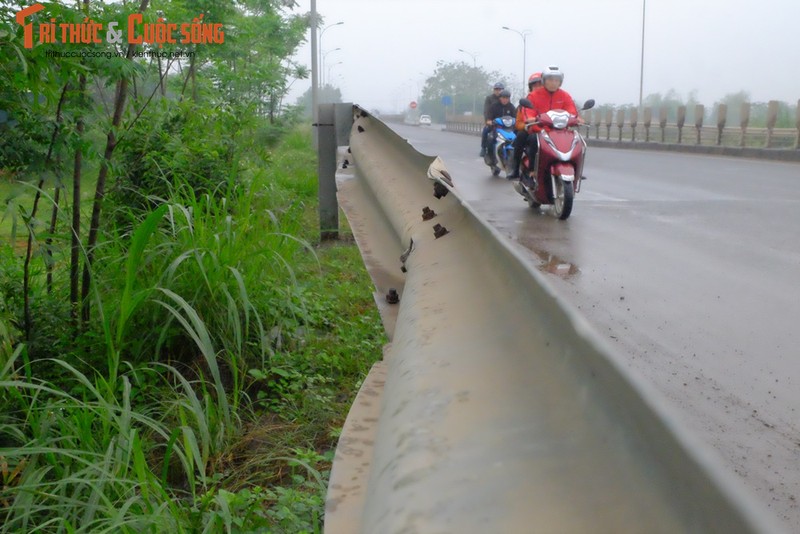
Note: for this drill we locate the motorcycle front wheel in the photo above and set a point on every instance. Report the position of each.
(562, 198)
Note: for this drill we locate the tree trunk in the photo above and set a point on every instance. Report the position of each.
(75, 227)
(26, 279)
(111, 144)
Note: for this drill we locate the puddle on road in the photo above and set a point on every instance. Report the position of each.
(550, 263)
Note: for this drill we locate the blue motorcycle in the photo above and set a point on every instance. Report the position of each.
(501, 157)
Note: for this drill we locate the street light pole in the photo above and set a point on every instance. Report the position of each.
(314, 80)
(329, 68)
(641, 65)
(524, 34)
(323, 33)
(474, 66)
(324, 58)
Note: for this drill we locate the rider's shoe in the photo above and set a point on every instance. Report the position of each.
(513, 176)
(483, 152)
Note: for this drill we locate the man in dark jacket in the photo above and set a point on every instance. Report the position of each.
(491, 99)
(502, 108)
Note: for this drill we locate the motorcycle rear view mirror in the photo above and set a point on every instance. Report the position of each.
(589, 104)
(525, 103)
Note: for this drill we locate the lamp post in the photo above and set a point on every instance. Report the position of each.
(470, 54)
(474, 66)
(314, 80)
(524, 34)
(329, 68)
(641, 65)
(322, 70)
(323, 33)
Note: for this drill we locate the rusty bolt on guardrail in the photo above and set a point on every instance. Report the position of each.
(439, 190)
(428, 214)
(392, 297)
(439, 231)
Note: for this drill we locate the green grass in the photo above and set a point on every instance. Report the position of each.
(17, 197)
(225, 349)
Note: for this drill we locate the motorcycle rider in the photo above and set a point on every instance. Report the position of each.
(534, 82)
(549, 96)
(488, 102)
(502, 108)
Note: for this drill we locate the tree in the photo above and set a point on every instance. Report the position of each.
(463, 85)
(327, 94)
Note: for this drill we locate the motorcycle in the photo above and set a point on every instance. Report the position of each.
(502, 157)
(553, 175)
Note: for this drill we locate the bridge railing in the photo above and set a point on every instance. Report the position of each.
(627, 127)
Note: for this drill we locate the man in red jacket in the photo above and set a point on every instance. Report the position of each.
(549, 96)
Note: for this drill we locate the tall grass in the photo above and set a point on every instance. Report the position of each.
(194, 295)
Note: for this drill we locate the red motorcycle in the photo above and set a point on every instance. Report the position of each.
(557, 165)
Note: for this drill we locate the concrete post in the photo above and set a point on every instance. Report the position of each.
(681, 120)
(745, 115)
(598, 118)
(772, 118)
(722, 118)
(634, 121)
(699, 114)
(328, 205)
(648, 119)
(797, 124)
(609, 120)
(662, 122)
(620, 122)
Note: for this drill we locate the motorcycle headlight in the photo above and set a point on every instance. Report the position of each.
(508, 121)
(559, 118)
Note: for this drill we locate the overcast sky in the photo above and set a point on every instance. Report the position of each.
(713, 47)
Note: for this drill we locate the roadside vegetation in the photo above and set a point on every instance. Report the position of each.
(177, 350)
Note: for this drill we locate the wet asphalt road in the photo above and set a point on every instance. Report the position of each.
(690, 266)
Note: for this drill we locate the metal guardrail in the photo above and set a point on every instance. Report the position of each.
(496, 407)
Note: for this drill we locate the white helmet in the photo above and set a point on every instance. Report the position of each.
(552, 72)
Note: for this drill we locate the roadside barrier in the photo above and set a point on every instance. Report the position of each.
(496, 407)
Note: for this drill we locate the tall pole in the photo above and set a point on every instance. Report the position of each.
(314, 71)
(329, 68)
(524, 34)
(641, 65)
(320, 41)
(322, 68)
(474, 66)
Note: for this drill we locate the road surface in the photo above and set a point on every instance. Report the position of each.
(690, 265)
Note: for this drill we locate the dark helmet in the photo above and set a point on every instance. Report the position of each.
(499, 85)
(505, 93)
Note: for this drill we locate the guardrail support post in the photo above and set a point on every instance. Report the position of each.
(648, 118)
(326, 169)
(662, 122)
(634, 121)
